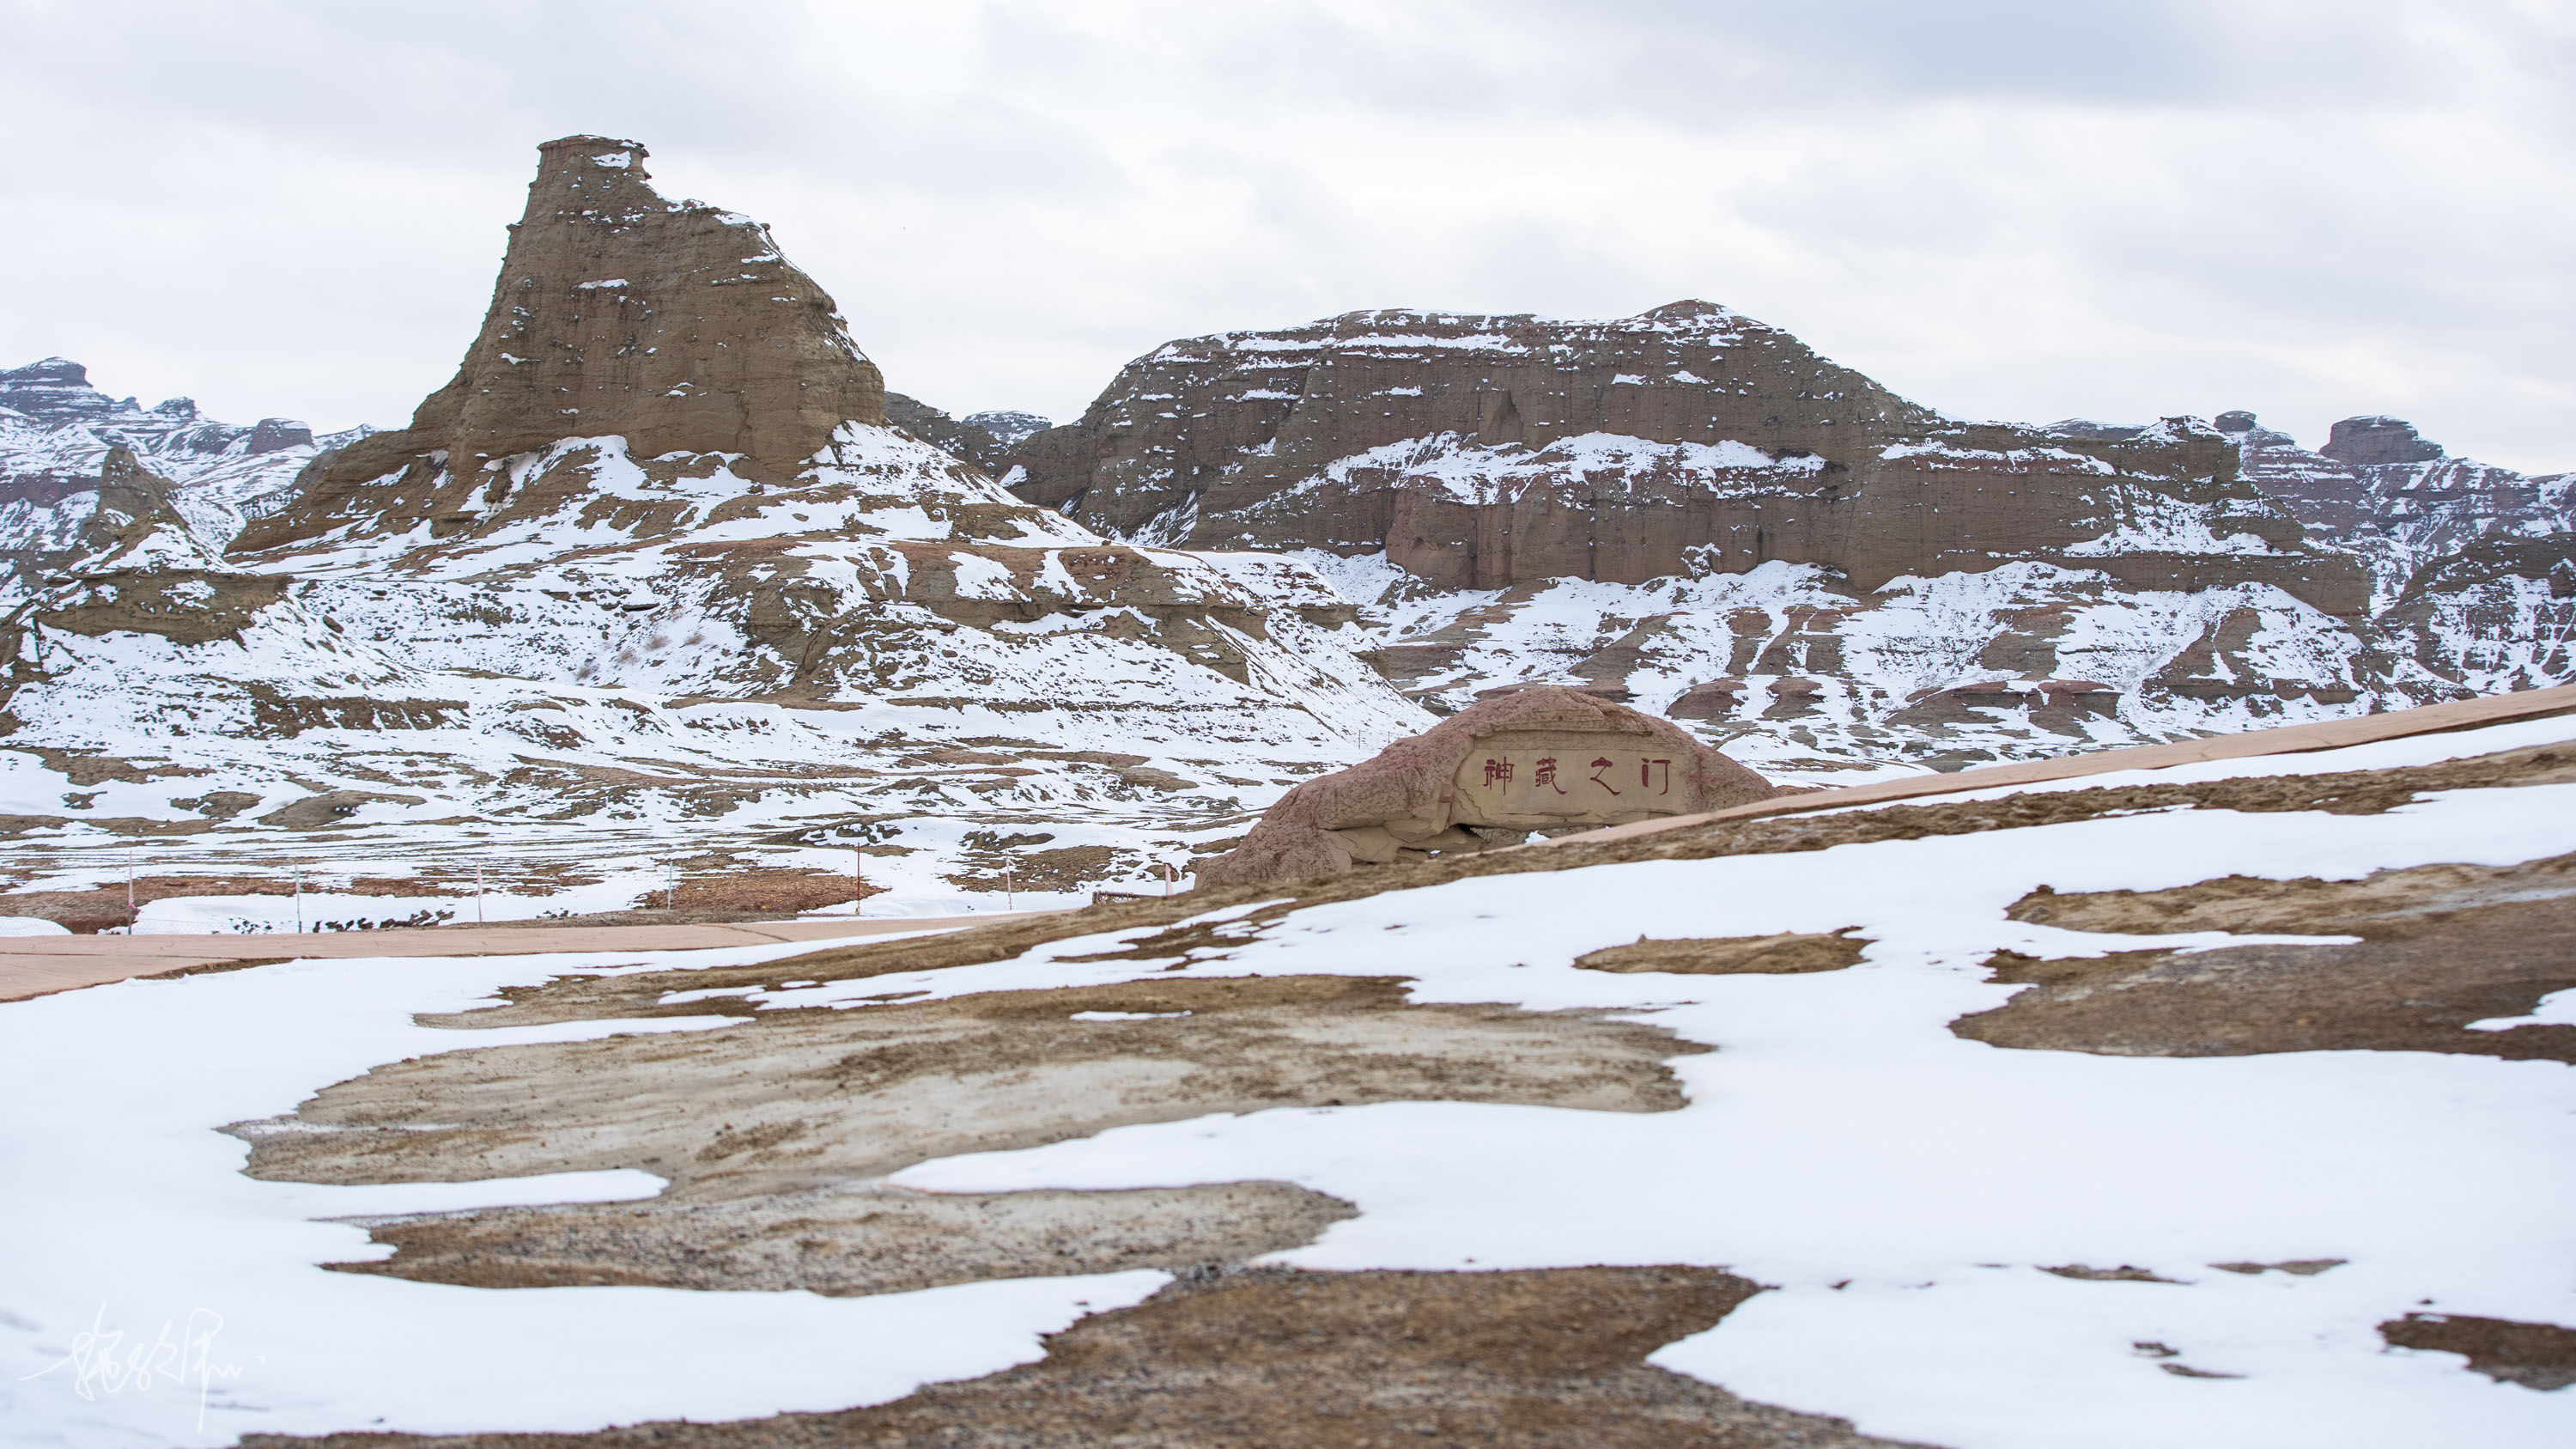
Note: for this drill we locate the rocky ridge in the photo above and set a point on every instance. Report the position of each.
(1690, 511)
(1481, 452)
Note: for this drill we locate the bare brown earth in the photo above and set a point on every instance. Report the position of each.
(795, 1100)
(772, 891)
(2534, 1355)
(717, 890)
(1288, 1360)
(2441, 946)
(1782, 955)
(856, 1239)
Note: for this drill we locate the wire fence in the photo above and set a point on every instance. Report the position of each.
(452, 891)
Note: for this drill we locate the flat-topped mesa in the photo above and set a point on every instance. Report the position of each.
(673, 323)
(1487, 452)
(1217, 426)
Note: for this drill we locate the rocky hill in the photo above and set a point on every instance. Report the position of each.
(982, 439)
(654, 576)
(56, 431)
(1691, 511)
(1488, 452)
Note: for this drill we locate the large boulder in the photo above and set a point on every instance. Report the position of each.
(1546, 760)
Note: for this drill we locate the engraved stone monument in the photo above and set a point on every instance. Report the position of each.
(1545, 760)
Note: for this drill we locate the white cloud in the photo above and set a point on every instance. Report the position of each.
(2020, 210)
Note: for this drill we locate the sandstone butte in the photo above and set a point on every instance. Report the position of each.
(1489, 451)
(680, 328)
(675, 324)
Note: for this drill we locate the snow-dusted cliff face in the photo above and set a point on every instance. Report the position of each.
(653, 575)
(2473, 566)
(1484, 452)
(55, 434)
(1689, 511)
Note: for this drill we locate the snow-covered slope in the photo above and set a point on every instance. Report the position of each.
(1689, 510)
(787, 629)
(2397, 499)
(55, 433)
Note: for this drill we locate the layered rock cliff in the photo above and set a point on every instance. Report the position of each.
(2397, 499)
(1483, 452)
(1691, 511)
(2473, 566)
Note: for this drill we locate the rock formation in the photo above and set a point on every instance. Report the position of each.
(656, 553)
(2368, 442)
(673, 324)
(666, 549)
(660, 406)
(57, 434)
(2474, 566)
(2381, 491)
(1547, 760)
(981, 439)
(1481, 452)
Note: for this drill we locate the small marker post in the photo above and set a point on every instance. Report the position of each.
(478, 894)
(299, 900)
(1010, 891)
(858, 884)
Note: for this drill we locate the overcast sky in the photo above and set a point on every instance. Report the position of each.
(2021, 209)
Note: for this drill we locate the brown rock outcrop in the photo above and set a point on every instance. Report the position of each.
(2370, 441)
(672, 323)
(140, 571)
(1546, 759)
(1484, 452)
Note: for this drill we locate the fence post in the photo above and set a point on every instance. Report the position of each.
(478, 893)
(299, 900)
(1010, 891)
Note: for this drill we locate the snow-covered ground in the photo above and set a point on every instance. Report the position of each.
(1830, 686)
(1903, 1188)
(153, 1295)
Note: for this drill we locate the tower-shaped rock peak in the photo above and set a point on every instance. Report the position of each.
(672, 323)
